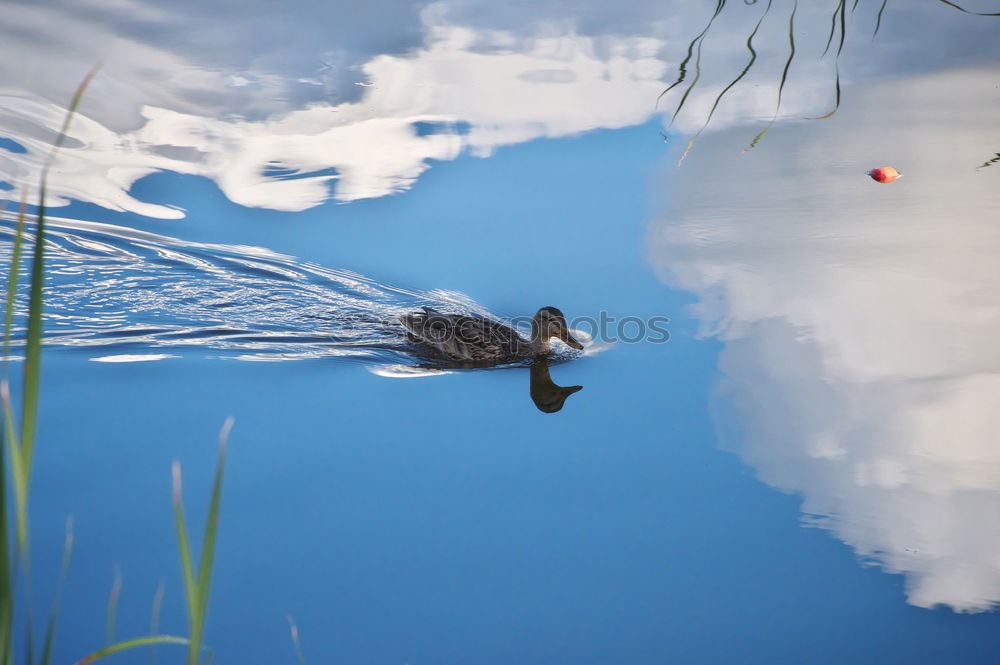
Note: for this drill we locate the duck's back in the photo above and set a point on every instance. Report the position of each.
(464, 337)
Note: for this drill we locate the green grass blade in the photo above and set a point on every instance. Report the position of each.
(14, 451)
(6, 576)
(208, 541)
(70, 112)
(50, 630)
(784, 75)
(132, 644)
(20, 448)
(33, 348)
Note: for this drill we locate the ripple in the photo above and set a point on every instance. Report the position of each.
(133, 358)
(114, 287)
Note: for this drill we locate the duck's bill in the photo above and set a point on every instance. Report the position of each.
(569, 339)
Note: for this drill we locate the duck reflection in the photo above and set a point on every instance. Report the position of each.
(546, 395)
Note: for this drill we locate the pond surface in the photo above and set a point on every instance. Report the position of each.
(783, 450)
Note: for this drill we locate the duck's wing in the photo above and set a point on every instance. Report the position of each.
(482, 339)
(463, 337)
(416, 323)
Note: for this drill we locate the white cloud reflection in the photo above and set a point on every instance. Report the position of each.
(338, 110)
(476, 90)
(860, 321)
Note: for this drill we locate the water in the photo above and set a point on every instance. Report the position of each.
(115, 288)
(802, 472)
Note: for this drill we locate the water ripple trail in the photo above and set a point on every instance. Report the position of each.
(128, 291)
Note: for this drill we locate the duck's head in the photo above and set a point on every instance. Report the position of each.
(549, 322)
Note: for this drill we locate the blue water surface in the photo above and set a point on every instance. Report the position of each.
(405, 516)
(444, 519)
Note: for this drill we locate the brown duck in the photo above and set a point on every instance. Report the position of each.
(471, 338)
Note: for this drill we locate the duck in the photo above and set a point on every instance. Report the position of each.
(475, 339)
